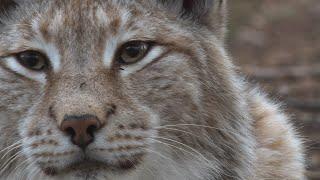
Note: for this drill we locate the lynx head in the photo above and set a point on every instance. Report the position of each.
(111, 88)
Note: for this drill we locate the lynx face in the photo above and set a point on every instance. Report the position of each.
(95, 85)
(132, 90)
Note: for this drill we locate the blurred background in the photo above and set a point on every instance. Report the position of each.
(277, 44)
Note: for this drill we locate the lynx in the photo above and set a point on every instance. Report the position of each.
(132, 90)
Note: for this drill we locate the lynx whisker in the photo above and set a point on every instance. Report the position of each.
(6, 164)
(172, 164)
(195, 125)
(159, 154)
(10, 157)
(187, 146)
(33, 173)
(25, 171)
(200, 158)
(14, 144)
(13, 149)
(117, 89)
(183, 131)
(21, 164)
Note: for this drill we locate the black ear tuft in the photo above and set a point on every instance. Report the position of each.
(193, 8)
(6, 6)
(196, 8)
(212, 13)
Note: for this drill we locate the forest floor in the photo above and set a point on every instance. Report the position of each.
(277, 44)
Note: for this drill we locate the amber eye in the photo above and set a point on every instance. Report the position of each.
(133, 52)
(32, 60)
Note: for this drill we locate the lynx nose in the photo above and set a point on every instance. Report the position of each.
(81, 129)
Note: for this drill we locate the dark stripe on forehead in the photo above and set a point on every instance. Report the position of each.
(115, 26)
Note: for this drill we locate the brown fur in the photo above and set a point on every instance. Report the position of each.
(186, 114)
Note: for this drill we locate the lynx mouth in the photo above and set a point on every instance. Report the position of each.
(81, 166)
(90, 166)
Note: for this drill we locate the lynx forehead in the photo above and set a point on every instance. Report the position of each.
(107, 27)
(128, 90)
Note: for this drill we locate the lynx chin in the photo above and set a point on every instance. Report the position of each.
(132, 90)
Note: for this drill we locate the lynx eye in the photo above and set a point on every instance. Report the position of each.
(133, 52)
(32, 60)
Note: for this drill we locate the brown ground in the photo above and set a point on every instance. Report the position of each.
(277, 44)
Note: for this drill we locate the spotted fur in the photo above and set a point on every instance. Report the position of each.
(183, 112)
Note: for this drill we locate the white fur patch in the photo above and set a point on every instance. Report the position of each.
(110, 51)
(152, 55)
(35, 25)
(123, 35)
(102, 16)
(53, 55)
(13, 64)
(48, 48)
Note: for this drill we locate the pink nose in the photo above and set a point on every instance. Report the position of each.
(81, 129)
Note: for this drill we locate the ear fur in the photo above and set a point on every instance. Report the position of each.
(211, 13)
(6, 6)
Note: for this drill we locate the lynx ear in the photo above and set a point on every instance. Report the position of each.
(212, 13)
(5, 7)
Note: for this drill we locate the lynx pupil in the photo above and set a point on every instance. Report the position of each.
(133, 51)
